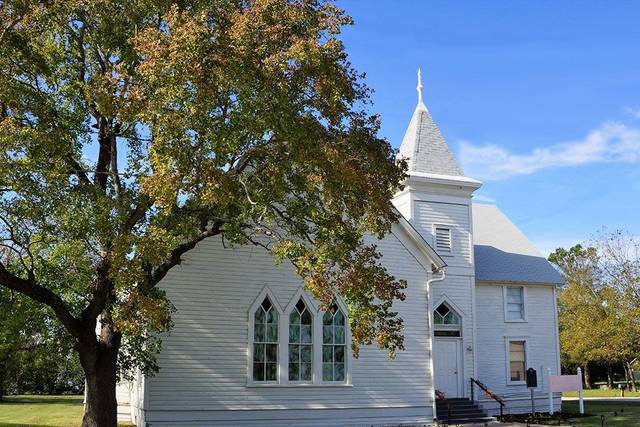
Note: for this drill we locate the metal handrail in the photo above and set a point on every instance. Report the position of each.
(441, 396)
(489, 393)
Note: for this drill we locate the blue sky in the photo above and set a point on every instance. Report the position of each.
(539, 100)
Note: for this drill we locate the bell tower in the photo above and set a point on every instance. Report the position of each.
(436, 199)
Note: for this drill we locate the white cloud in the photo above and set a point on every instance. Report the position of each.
(611, 142)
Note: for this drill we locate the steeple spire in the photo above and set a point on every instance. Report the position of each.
(419, 87)
(423, 146)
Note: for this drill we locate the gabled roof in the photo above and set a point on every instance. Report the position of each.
(426, 250)
(504, 254)
(424, 146)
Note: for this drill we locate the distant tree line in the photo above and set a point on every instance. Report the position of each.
(36, 354)
(599, 307)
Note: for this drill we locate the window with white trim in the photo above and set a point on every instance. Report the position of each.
(443, 239)
(517, 361)
(265, 342)
(300, 343)
(514, 303)
(334, 338)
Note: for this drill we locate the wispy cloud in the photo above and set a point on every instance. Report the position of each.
(483, 199)
(633, 111)
(611, 142)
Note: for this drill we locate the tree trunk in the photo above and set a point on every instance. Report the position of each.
(633, 377)
(628, 376)
(2, 368)
(587, 376)
(610, 376)
(99, 362)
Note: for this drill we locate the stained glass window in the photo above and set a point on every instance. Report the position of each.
(333, 345)
(265, 342)
(443, 315)
(300, 343)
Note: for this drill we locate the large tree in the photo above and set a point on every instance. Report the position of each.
(132, 130)
(599, 307)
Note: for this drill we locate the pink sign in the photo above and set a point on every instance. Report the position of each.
(565, 382)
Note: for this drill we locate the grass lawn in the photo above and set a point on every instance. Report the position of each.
(601, 393)
(617, 414)
(41, 411)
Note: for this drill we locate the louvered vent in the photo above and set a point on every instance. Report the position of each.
(443, 240)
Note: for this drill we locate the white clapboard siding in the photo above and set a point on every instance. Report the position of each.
(203, 363)
(492, 332)
(429, 214)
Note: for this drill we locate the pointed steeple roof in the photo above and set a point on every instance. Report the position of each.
(423, 145)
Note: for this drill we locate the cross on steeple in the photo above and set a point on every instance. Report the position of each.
(419, 87)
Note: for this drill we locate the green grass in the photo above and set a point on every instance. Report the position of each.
(617, 414)
(42, 411)
(601, 393)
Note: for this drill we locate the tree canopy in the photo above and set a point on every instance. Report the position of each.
(599, 308)
(132, 130)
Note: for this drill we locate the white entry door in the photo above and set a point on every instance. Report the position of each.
(447, 366)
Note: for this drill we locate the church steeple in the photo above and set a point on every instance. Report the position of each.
(423, 145)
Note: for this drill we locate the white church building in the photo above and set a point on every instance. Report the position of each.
(250, 346)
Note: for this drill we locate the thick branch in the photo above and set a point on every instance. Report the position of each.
(138, 213)
(101, 293)
(114, 160)
(76, 169)
(104, 154)
(42, 295)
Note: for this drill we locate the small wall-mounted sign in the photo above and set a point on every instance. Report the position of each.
(532, 378)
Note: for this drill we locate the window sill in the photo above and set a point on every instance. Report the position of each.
(517, 321)
(294, 385)
(516, 383)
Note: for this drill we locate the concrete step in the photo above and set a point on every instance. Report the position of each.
(460, 411)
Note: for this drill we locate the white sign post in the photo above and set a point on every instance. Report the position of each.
(558, 383)
(580, 393)
(550, 392)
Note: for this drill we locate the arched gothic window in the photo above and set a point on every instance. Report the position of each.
(333, 345)
(300, 343)
(446, 322)
(265, 342)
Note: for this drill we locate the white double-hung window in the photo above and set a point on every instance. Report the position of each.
(517, 356)
(514, 304)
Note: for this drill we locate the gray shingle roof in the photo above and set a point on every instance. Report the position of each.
(424, 147)
(504, 254)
